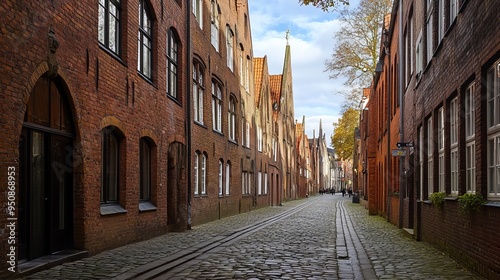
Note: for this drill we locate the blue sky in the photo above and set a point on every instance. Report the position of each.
(311, 42)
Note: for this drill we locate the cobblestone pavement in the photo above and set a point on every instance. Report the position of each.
(332, 238)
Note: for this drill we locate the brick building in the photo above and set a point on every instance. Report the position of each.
(443, 70)
(150, 106)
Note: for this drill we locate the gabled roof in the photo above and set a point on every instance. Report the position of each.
(258, 66)
(275, 85)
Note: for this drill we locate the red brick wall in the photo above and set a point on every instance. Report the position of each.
(470, 45)
(122, 98)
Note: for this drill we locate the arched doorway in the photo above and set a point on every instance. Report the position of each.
(46, 173)
(176, 194)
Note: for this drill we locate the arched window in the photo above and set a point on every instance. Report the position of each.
(231, 118)
(217, 106)
(110, 187)
(198, 88)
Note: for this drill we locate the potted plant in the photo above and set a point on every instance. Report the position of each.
(471, 202)
(437, 199)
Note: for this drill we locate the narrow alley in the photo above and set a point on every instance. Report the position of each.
(322, 237)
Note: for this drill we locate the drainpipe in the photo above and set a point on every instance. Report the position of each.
(188, 110)
(386, 49)
(402, 177)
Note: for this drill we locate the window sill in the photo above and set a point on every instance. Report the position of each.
(232, 141)
(145, 206)
(451, 197)
(112, 209)
(200, 123)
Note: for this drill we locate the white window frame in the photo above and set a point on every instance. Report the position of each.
(440, 135)
(493, 124)
(196, 174)
(419, 55)
(428, 33)
(470, 132)
(265, 183)
(109, 25)
(230, 48)
(197, 7)
(421, 161)
(231, 119)
(198, 88)
(242, 72)
(145, 41)
(259, 183)
(454, 145)
(216, 106)
(247, 74)
(453, 10)
(228, 177)
(259, 139)
(221, 183)
(214, 23)
(441, 21)
(203, 174)
(247, 135)
(430, 167)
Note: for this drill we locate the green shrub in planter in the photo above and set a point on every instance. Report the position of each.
(471, 202)
(437, 199)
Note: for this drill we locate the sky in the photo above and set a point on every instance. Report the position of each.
(311, 42)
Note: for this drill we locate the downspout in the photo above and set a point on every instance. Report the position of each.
(188, 110)
(402, 177)
(388, 130)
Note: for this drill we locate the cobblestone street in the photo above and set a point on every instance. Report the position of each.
(329, 237)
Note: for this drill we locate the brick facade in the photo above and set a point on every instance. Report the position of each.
(97, 98)
(445, 66)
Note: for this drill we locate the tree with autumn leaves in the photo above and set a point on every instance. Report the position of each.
(354, 57)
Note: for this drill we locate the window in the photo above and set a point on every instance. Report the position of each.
(215, 22)
(412, 49)
(428, 31)
(275, 149)
(247, 74)
(430, 169)
(259, 139)
(145, 170)
(440, 18)
(109, 25)
(246, 182)
(247, 135)
(221, 170)
(419, 56)
(493, 115)
(242, 72)
(198, 87)
(259, 183)
(453, 10)
(421, 161)
(172, 55)
(217, 106)
(229, 47)
(454, 145)
(265, 183)
(228, 177)
(145, 41)
(200, 161)
(470, 131)
(440, 131)
(198, 11)
(231, 118)
(110, 166)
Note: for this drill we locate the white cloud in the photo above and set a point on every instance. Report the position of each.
(311, 41)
